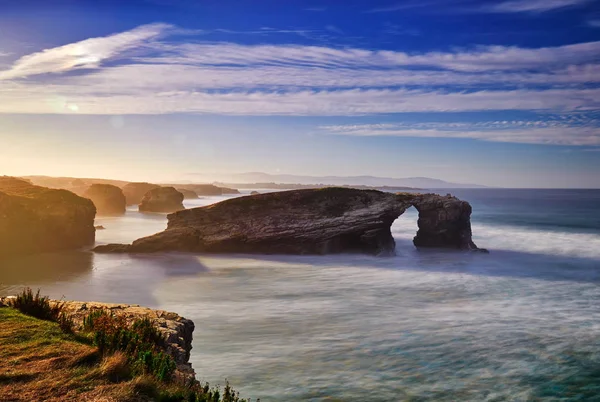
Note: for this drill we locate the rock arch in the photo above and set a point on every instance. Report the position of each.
(314, 221)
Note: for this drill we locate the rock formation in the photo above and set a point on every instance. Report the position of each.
(315, 221)
(177, 331)
(108, 199)
(188, 194)
(162, 199)
(444, 222)
(36, 219)
(134, 192)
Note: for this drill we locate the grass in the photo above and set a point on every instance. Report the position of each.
(109, 360)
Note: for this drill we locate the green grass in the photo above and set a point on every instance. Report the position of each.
(40, 361)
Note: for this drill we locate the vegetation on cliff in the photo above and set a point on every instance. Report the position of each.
(109, 359)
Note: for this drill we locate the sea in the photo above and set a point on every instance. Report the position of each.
(519, 324)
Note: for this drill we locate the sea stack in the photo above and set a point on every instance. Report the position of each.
(108, 199)
(134, 192)
(162, 199)
(36, 219)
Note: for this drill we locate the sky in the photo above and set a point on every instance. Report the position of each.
(497, 92)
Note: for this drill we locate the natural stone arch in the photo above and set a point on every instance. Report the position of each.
(314, 221)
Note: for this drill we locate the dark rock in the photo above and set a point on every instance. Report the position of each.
(134, 192)
(444, 222)
(254, 193)
(314, 221)
(99, 227)
(162, 199)
(188, 194)
(108, 199)
(37, 219)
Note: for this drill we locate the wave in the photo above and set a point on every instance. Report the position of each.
(517, 238)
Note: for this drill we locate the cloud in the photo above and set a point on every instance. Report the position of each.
(85, 54)
(594, 23)
(145, 71)
(533, 6)
(530, 132)
(407, 5)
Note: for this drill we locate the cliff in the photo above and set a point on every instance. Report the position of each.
(108, 199)
(36, 219)
(316, 221)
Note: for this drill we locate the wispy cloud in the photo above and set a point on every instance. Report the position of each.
(407, 5)
(533, 6)
(533, 132)
(85, 54)
(594, 23)
(143, 71)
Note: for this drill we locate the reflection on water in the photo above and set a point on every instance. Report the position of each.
(522, 323)
(44, 269)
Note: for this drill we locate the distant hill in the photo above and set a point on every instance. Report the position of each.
(369, 181)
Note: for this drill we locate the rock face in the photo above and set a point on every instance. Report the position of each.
(162, 199)
(444, 222)
(176, 330)
(36, 219)
(188, 194)
(134, 192)
(108, 199)
(314, 221)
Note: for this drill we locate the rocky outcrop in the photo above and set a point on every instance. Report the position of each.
(108, 199)
(314, 221)
(188, 194)
(37, 219)
(134, 192)
(444, 222)
(162, 199)
(176, 330)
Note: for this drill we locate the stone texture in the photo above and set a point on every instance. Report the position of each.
(162, 199)
(36, 219)
(134, 192)
(108, 199)
(313, 221)
(176, 330)
(444, 222)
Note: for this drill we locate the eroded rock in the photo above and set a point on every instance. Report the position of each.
(134, 192)
(162, 199)
(108, 199)
(36, 219)
(311, 221)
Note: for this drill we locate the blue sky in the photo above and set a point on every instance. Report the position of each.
(497, 92)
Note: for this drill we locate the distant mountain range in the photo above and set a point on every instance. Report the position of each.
(371, 181)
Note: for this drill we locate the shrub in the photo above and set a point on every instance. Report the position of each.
(140, 342)
(40, 307)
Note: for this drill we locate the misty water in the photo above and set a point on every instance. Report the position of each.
(522, 323)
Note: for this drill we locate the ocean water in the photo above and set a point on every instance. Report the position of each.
(519, 324)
